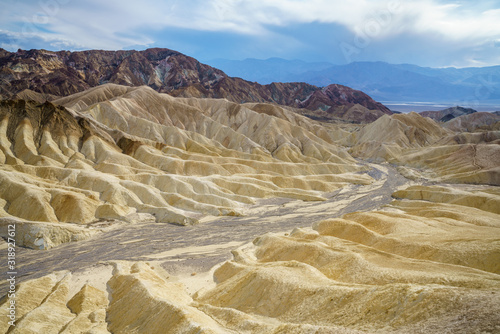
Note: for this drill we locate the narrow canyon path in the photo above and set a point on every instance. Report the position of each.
(188, 249)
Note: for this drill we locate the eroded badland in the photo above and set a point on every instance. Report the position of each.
(139, 212)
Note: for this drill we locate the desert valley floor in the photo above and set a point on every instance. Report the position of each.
(195, 249)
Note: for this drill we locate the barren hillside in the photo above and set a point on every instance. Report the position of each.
(137, 211)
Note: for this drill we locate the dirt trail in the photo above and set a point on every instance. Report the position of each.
(198, 248)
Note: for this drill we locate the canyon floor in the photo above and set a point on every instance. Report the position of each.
(197, 248)
(169, 260)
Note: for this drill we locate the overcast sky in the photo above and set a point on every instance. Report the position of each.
(431, 33)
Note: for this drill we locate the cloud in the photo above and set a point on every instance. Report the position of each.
(266, 24)
(36, 40)
(454, 21)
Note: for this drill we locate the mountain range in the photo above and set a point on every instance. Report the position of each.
(380, 80)
(57, 74)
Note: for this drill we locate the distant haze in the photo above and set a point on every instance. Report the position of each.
(419, 107)
(402, 87)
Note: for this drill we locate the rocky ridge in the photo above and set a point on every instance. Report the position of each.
(166, 71)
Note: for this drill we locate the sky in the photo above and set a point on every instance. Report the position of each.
(431, 33)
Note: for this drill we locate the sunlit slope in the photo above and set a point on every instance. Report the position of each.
(416, 265)
(427, 262)
(133, 154)
(246, 128)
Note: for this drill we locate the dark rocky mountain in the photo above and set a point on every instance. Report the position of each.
(63, 73)
(448, 114)
(321, 98)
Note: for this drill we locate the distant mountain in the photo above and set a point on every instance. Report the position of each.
(62, 73)
(269, 70)
(382, 81)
